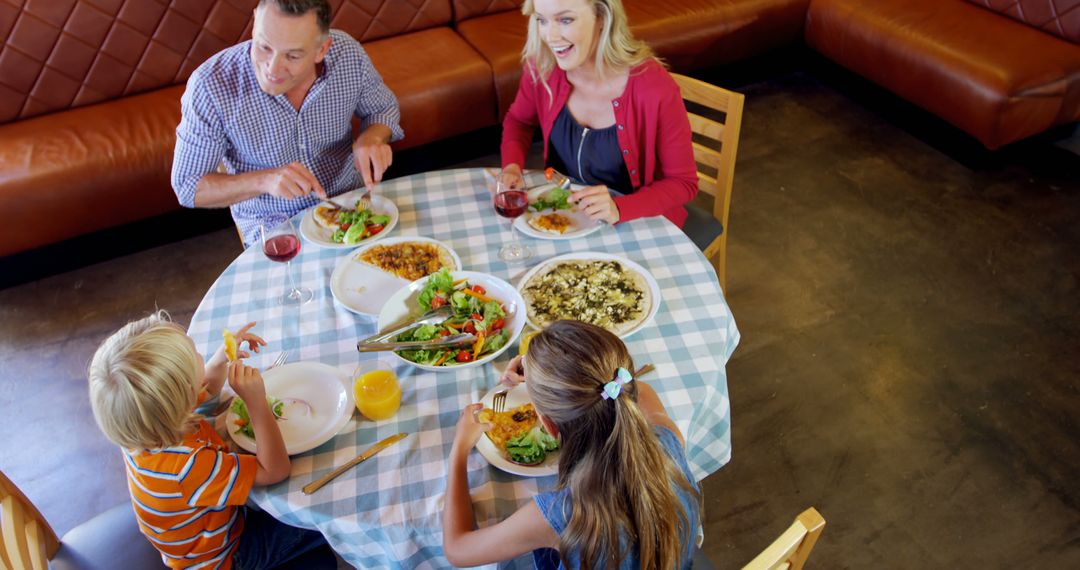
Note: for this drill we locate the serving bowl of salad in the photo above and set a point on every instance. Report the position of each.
(482, 304)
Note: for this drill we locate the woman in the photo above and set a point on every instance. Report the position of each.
(611, 116)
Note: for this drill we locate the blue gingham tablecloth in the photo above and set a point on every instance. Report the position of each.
(386, 512)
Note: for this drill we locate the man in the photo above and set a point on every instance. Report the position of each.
(275, 112)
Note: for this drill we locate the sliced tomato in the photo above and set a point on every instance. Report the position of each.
(479, 289)
(375, 228)
(498, 324)
(437, 301)
(470, 327)
(464, 356)
(477, 317)
(444, 332)
(345, 226)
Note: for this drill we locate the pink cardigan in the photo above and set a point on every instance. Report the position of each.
(653, 132)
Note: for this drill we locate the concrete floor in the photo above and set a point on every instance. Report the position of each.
(909, 361)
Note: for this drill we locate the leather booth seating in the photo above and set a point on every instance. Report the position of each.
(1001, 70)
(90, 89)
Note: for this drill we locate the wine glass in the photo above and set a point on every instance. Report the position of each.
(280, 243)
(511, 201)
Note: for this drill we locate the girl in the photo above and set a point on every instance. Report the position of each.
(625, 497)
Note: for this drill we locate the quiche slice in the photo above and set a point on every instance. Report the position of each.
(551, 223)
(509, 424)
(410, 260)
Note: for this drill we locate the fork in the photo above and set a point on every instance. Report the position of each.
(281, 358)
(498, 401)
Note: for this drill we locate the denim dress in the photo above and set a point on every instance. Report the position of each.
(556, 509)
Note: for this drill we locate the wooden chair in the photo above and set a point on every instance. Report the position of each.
(789, 552)
(715, 146)
(109, 540)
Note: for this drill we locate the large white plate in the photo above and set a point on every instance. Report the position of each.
(517, 396)
(320, 236)
(580, 224)
(403, 305)
(596, 256)
(327, 389)
(364, 289)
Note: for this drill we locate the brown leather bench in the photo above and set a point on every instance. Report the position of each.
(90, 90)
(999, 78)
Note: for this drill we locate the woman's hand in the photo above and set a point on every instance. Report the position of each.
(469, 428)
(515, 372)
(512, 177)
(597, 203)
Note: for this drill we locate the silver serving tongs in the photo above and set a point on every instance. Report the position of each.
(432, 317)
(451, 340)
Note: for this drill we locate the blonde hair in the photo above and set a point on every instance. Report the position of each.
(143, 384)
(616, 49)
(619, 476)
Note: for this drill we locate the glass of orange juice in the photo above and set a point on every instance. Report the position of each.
(377, 391)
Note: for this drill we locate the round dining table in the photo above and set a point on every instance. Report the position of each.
(387, 511)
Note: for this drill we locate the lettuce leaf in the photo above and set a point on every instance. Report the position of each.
(556, 199)
(440, 282)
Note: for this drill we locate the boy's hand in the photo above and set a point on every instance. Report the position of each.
(254, 341)
(247, 382)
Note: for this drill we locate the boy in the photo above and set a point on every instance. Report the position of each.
(188, 489)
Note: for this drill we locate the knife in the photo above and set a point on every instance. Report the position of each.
(317, 484)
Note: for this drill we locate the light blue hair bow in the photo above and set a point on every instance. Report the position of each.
(614, 388)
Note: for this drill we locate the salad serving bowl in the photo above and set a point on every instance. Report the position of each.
(405, 304)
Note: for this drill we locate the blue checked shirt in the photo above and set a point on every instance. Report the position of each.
(228, 119)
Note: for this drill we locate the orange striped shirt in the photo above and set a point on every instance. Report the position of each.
(186, 499)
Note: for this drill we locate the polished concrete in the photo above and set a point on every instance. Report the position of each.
(909, 360)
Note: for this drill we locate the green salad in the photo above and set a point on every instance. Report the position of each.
(555, 199)
(531, 447)
(358, 224)
(474, 312)
(243, 422)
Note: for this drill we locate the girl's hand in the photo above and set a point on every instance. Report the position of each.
(469, 428)
(597, 203)
(515, 372)
(247, 382)
(253, 340)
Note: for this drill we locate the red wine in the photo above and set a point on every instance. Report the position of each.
(511, 204)
(282, 248)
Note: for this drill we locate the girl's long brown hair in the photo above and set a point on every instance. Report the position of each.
(618, 474)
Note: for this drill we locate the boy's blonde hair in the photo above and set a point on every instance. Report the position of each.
(143, 384)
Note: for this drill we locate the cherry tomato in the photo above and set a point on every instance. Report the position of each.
(477, 317)
(345, 226)
(498, 324)
(470, 327)
(464, 356)
(374, 229)
(444, 332)
(479, 289)
(437, 302)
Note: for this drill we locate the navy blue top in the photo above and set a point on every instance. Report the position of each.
(588, 156)
(556, 508)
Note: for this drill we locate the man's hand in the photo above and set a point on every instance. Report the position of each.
(292, 181)
(372, 154)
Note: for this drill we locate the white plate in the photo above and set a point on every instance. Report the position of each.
(320, 236)
(580, 224)
(403, 305)
(364, 289)
(517, 396)
(597, 256)
(327, 389)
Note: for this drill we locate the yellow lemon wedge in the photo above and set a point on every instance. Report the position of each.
(231, 345)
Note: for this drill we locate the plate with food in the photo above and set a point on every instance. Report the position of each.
(482, 304)
(364, 280)
(311, 402)
(606, 290)
(344, 228)
(552, 216)
(516, 442)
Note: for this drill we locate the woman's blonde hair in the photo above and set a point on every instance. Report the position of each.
(143, 384)
(619, 476)
(616, 48)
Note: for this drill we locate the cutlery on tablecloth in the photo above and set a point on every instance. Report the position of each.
(317, 484)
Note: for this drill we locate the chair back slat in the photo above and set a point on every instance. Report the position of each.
(706, 127)
(707, 184)
(707, 156)
(792, 548)
(27, 538)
